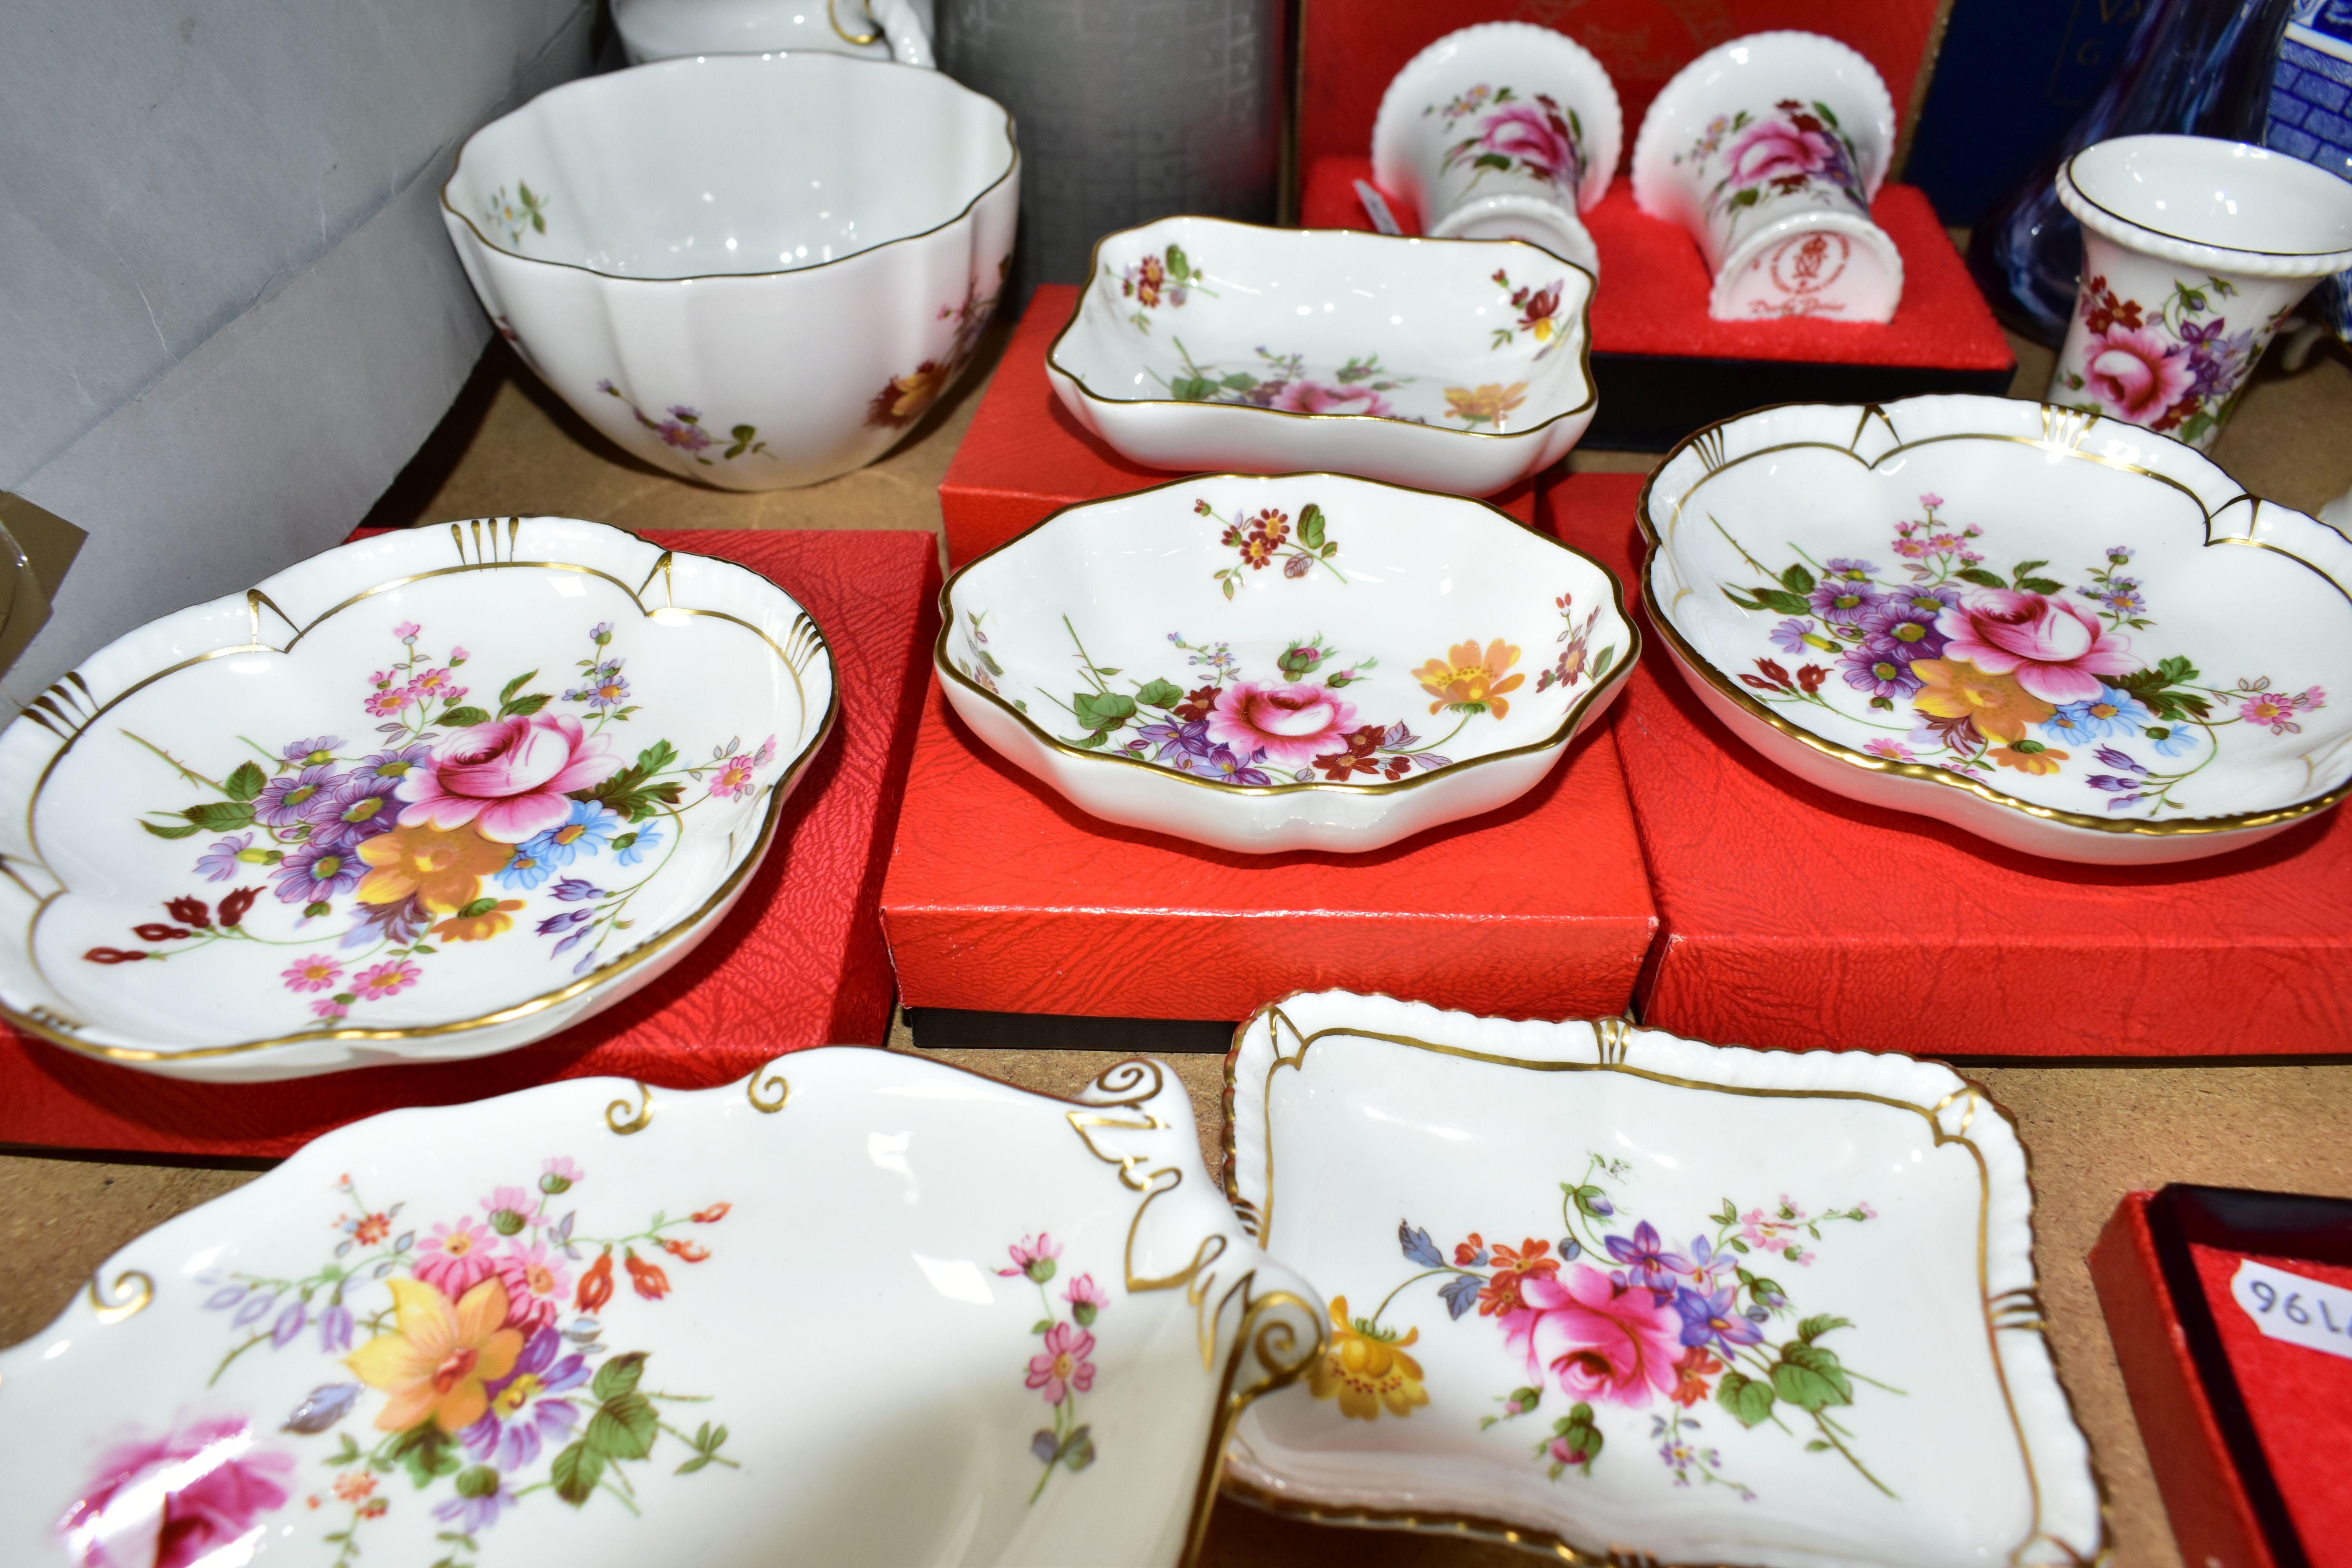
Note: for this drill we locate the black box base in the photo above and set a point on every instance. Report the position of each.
(942, 1028)
(1649, 402)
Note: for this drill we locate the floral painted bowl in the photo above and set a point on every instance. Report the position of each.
(595, 1324)
(1456, 365)
(432, 794)
(1612, 1294)
(2066, 635)
(1305, 661)
(755, 272)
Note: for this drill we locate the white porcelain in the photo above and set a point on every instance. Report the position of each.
(1454, 365)
(1602, 1291)
(753, 270)
(1215, 658)
(2063, 634)
(432, 794)
(2194, 250)
(598, 1324)
(867, 29)
(1504, 131)
(1769, 149)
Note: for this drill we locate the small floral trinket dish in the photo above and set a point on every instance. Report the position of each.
(598, 1324)
(1305, 661)
(1617, 1296)
(1504, 131)
(755, 272)
(2194, 250)
(1769, 149)
(431, 795)
(1454, 365)
(2060, 632)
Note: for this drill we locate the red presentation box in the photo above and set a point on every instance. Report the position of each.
(1004, 899)
(1026, 457)
(1665, 367)
(2245, 1429)
(1791, 917)
(800, 962)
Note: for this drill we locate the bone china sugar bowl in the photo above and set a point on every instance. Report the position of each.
(1305, 661)
(755, 271)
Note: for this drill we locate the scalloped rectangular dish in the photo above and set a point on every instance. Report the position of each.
(1603, 1291)
(599, 1325)
(1453, 364)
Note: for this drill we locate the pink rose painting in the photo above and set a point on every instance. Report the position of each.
(2057, 650)
(193, 1497)
(1292, 724)
(2135, 372)
(1315, 397)
(1538, 137)
(508, 777)
(1777, 148)
(1602, 1342)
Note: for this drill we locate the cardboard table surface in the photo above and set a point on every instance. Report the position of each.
(800, 962)
(1791, 917)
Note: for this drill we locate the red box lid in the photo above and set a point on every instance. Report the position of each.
(1003, 898)
(1654, 285)
(1350, 51)
(800, 962)
(1025, 457)
(1794, 917)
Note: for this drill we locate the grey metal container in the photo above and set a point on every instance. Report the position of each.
(1128, 110)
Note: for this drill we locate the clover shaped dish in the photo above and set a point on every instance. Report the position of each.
(431, 794)
(2064, 634)
(1304, 661)
(1621, 1296)
(1460, 365)
(600, 1325)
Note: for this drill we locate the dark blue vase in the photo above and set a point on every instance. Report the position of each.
(2199, 68)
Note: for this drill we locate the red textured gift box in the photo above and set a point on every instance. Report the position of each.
(1665, 367)
(1003, 898)
(1790, 917)
(1026, 457)
(800, 962)
(2245, 1433)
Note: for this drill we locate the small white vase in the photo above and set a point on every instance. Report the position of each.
(2194, 249)
(1504, 130)
(1769, 149)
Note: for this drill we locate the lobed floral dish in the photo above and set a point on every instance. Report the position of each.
(598, 1324)
(1457, 365)
(1305, 661)
(1769, 149)
(1622, 1297)
(2063, 634)
(431, 794)
(752, 270)
(1503, 131)
(2194, 250)
(867, 29)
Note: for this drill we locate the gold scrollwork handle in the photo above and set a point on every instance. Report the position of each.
(768, 1077)
(623, 1119)
(130, 1291)
(846, 36)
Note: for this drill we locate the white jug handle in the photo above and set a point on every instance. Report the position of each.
(894, 20)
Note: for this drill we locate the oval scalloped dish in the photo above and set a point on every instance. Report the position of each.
(435, 794)
(1457, 364)
(1609, 1293)
(1307, 661)
(2071, 636)
(602, 1326)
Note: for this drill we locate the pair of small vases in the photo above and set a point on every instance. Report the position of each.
(1768, 149)
(2194, 249)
